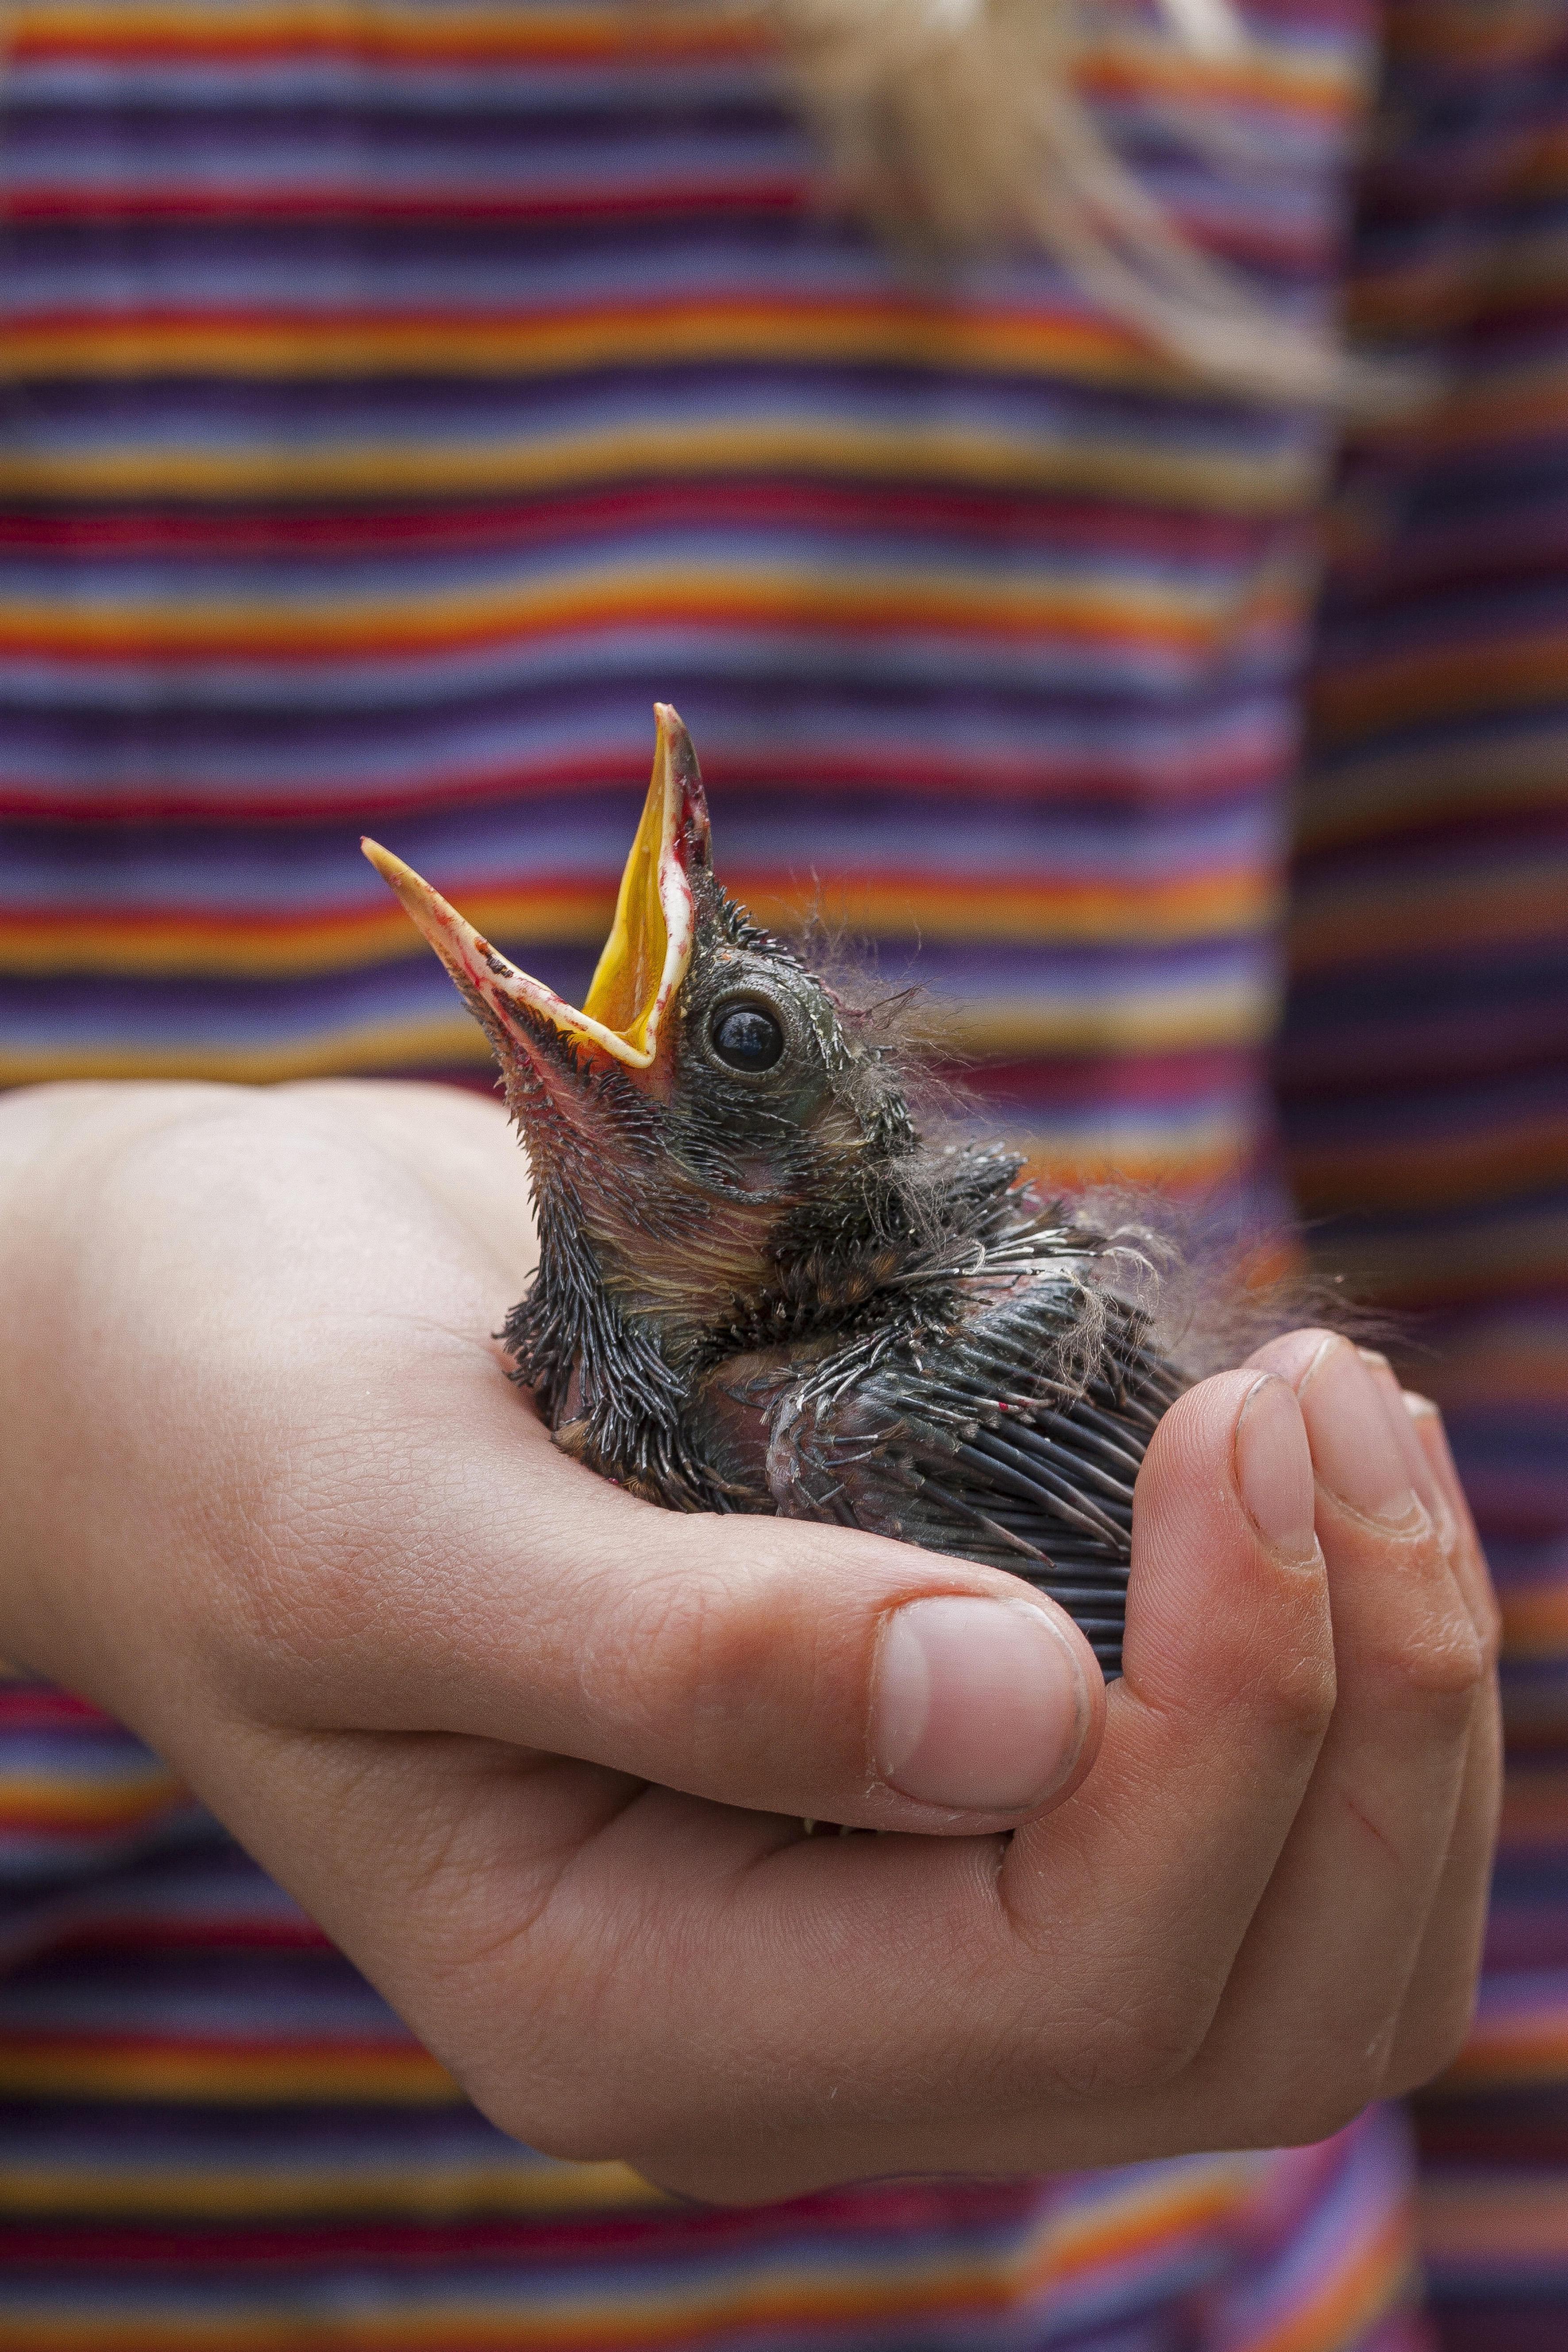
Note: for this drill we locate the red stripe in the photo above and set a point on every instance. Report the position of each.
(1212, 780)
(1011, 516)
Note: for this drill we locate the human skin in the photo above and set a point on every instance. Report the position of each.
(536, 1754)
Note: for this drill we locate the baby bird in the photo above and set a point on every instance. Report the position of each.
(758, 1288)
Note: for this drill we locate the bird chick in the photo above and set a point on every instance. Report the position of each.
(758, 1288)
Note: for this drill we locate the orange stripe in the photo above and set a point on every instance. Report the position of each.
(1450, 1171)
(903, 334)
(1500, 1253)
(1535, 1802)
(1115, 2233)
(1352, 2297)
(868, 604)
(1535, 1621)
(1501, 2222)
(1324, 86)
(1355, 922)
(1508, 1360)
(112, 941)
(1443, 681)
(1500, 2057)
(89, 1802)
(1297, 82)
(461, 35)
(128, 2067)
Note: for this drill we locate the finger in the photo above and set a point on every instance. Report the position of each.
(1469, 1557)
(1439, 2003)
(456, 1572)
(1157, 1862)
(1316, 1992)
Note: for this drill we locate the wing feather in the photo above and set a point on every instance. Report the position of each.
(1003, 1437)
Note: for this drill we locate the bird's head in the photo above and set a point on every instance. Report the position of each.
(711, 1113)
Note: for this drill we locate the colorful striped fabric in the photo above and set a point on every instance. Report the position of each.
(214, 2136)
(1426, 1054)
(397, 398)
(401, 397)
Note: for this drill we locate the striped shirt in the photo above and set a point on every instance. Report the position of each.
(399, 395)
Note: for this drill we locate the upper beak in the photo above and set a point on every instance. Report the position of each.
(649, 947)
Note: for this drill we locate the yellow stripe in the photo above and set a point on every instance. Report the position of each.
(1497, 403)
(1479, 678)
(1514, 1358)
(1434, 298)
(1217, 481)
(1172, 1018)
(440, 1043)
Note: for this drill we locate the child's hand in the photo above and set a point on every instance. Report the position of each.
(536, 1754)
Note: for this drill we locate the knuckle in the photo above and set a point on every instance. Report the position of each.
(1433, 1656)
(1138, 2043)
(1296, 1690)
(662, 1660)
(666, 1627)
(1310, 2102)
(1273, 1660)
(724, 1670)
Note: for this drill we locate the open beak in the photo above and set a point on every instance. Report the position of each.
(649, 947)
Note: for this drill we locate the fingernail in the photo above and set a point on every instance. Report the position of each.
(1358, 1457)
(1426, 1414)
(1413, 1454)
(979, 1705)
(1441, 1492)
(1274, 1469)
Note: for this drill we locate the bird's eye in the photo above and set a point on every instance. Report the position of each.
(747, 1036)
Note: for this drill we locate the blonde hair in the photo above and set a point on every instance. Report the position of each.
(962, 125)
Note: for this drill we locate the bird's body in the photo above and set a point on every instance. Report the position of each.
(760, 1289)
(978, 1391)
